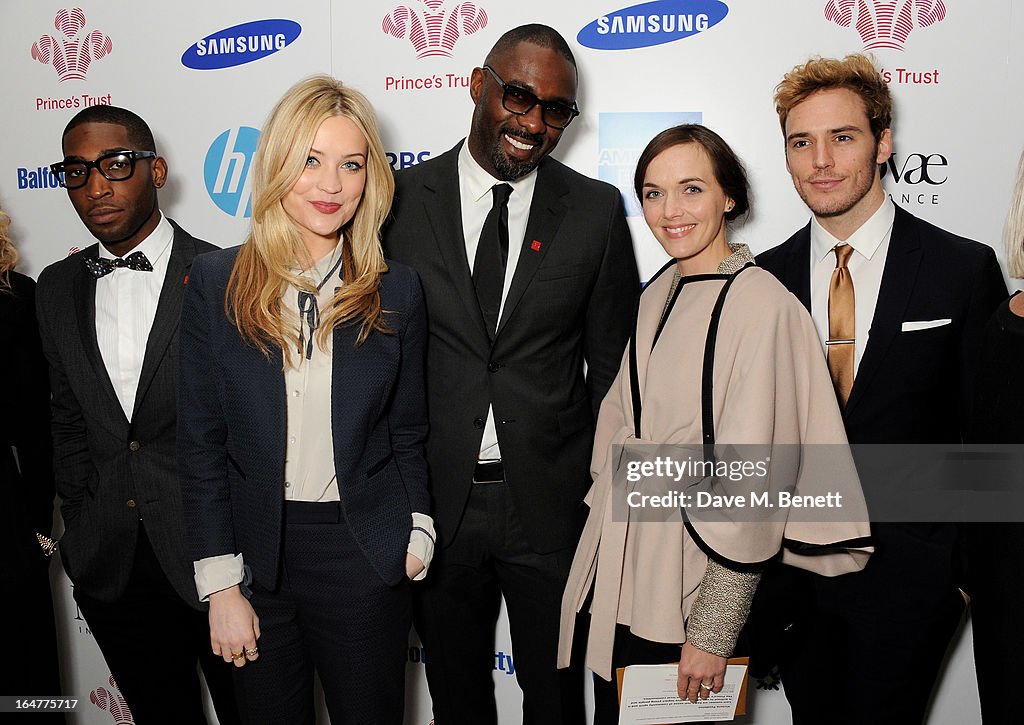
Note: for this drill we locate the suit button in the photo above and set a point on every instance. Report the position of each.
(493, 367)
(134, 446)
(478, 422)
(130, 503)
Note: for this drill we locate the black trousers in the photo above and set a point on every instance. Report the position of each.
(995, 551)
(456, 609)
(331, 613)
(152, 642)
(870, 651)
(628, 650)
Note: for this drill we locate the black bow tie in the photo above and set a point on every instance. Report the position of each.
(101, 267)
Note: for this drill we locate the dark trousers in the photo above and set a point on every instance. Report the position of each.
(457, 609)
(331, 613)
(30, 636)
(628, 650)
(870, 651)
(994, 554)
(152, 642)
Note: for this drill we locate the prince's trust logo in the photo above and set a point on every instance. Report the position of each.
(72, 54)
(433, 31)
(884, 23)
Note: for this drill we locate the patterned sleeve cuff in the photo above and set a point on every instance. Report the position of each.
(421, 541)
(215, 573)
(721, 608)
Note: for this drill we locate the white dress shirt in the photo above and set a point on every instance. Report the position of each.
(867, 262)
(475, 194)
(126, 302)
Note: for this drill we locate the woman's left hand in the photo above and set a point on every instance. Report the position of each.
(700, 673)
(413, 566)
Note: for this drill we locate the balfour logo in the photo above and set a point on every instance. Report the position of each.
(652, 23)
(434, 31)
(71, 55)
(226, 170)
(240, 44)
(884, 24)
(37, 178)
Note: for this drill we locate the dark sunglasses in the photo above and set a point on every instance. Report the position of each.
(115, 166)
(520, 102)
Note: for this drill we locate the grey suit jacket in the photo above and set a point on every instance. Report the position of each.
(110, 472)
(572, 301)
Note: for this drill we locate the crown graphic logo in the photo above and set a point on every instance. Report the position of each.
(112, 702)
(885, 24)
(433, 32)
(71, 55)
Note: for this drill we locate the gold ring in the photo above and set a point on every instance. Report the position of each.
(236, 656)
(252, 652)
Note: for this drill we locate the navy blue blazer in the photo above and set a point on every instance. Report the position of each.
(232, 420)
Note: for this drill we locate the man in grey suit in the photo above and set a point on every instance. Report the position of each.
(528, 273)
(108, 318)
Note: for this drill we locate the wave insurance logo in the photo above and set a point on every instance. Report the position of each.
(227, 167)
(241, 44)
(622, 137)
(884, 24)
(72, 54)
(434, 31)
(916, 177)
(652, 23)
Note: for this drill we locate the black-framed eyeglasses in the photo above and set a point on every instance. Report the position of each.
(520, 101)
(115, 166)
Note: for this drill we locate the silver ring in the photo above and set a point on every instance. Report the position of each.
(706, 686)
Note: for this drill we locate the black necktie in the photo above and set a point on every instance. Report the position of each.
(491, 256)
(101, 267)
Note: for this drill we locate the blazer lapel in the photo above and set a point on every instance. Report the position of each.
(901, 265)
(85, 308)
(796, 275)
(443, 207)
(168, 310)
(546, 213)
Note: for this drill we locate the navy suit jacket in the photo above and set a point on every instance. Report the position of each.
(913, 387)
(232, 420)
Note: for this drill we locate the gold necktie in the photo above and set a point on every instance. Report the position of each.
(841, 329)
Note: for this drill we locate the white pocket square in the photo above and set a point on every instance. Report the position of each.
(923, 325)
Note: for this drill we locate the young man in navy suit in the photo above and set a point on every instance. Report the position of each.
(108, 318)
(900, 306)
(529, 274)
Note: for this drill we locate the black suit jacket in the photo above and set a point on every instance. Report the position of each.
(571, 301)
(233, 417)
(109, 471)
(913, 387)
(26, 468)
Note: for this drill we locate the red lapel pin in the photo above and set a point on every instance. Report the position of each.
(186, 280)
(535, 245)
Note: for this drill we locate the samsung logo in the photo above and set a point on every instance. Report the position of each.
(653, 23)
(241, 44)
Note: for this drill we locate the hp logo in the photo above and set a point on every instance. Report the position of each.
(226, 170)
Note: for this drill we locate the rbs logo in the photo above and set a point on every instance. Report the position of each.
(405, 159)
(226, 170)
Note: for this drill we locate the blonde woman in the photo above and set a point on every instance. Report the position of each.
(26, 475)
(301, 424)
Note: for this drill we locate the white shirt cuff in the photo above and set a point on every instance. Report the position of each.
(217, 572)
(421, 541)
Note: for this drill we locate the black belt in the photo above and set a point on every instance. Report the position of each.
(490, 472)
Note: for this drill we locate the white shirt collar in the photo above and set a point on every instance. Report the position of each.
(865, 241)
(155, 246)
(477, 182)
